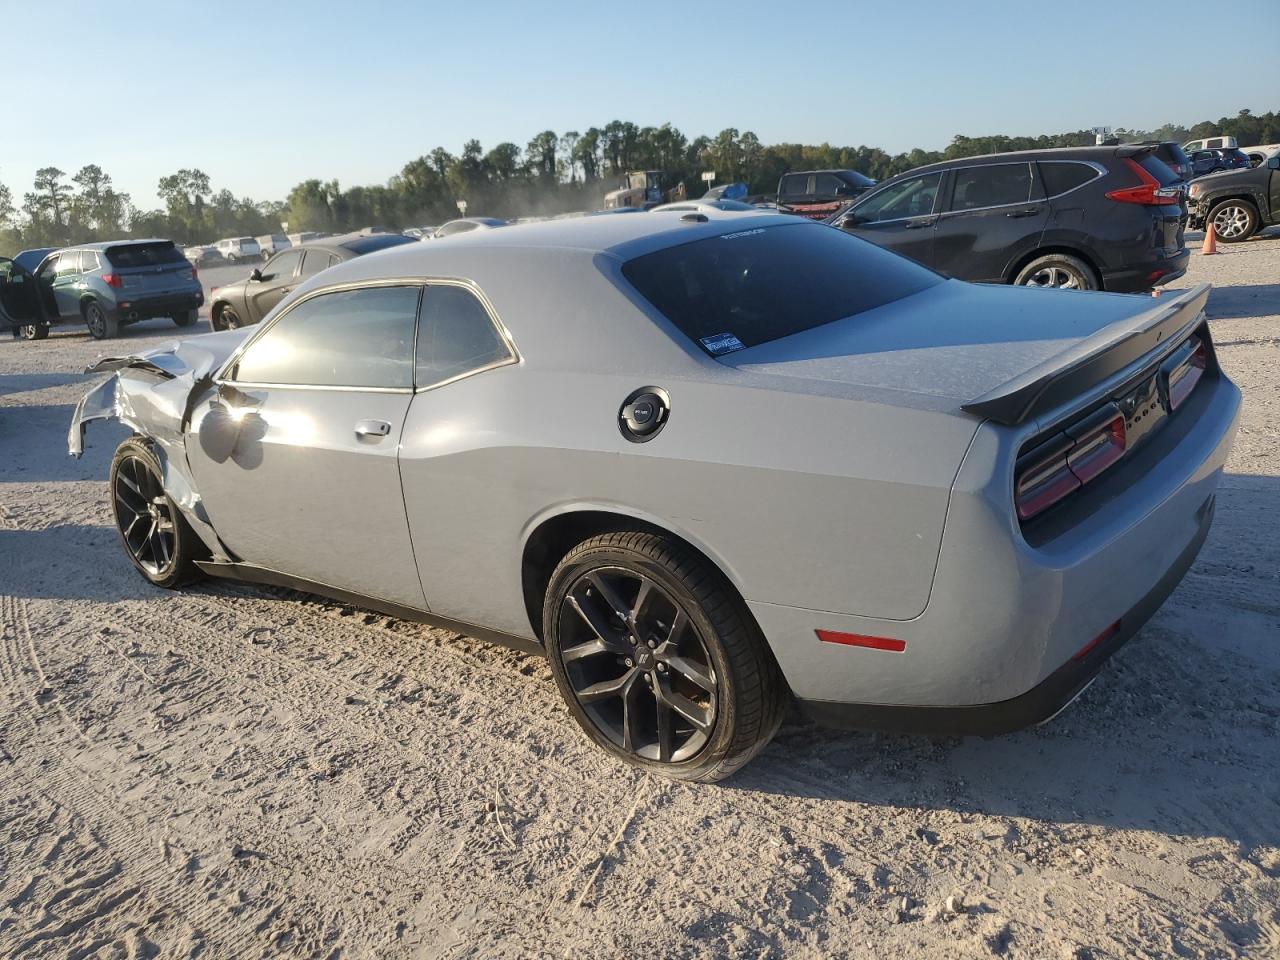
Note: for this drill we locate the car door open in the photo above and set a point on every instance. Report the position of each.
(296, 450)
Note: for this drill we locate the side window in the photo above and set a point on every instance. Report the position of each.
(281, 267)
(1061, 176)
(88, 261)
(456, 336)
(991, 186)
(910, 198)
(348, 338)
(795, 184)
(69, 263)
(826, 184)
(314, 261)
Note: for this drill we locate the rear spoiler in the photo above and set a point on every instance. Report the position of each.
(1092, 360)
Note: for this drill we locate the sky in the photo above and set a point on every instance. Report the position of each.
(263, 95)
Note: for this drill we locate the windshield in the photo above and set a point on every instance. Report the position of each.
(741, 289)
(855, 179)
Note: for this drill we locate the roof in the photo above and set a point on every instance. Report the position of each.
(1052, 153)
(104, 244)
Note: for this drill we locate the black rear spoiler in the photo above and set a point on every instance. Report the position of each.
(1056, 381)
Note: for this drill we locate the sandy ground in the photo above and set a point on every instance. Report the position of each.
(236, 772)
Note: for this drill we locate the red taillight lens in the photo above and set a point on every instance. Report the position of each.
(1149, 192)
(1063, 464)
(112, 280)
(1105, 635)
(1184, 377)
(195, 274)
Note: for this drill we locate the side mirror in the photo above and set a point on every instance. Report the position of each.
(1273, 163)
(850, 220)
(256, 275)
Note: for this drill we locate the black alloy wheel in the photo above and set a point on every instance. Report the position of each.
(637, 666)
(156, 536)
(658, 658)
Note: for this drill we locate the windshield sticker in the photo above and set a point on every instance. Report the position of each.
(721, 343)
(741, 233)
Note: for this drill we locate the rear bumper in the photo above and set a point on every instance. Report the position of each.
(1008, 611)
(144, 308)
(1043, 701)
(1144, 276)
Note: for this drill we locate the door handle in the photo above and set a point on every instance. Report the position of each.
(1021, 213)
(372, 428)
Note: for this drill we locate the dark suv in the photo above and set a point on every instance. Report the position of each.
(817, 194)
(1238, 203)
(1091, 218)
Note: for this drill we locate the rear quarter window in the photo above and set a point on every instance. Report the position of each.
(144, 254)
(1060, 176)
(741, 289)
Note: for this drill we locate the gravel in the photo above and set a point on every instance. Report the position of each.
(240, 771)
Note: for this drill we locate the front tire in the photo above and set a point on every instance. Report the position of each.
(34, 331)
(102, 325)
(228, 319)
(1058, 271)
(658, 658)
(155, 534)
(1234, 221)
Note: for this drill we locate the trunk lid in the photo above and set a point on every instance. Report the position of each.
(995, 351)
(154, 268)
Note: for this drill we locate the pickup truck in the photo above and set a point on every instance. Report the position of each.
(817, 194)
(1238, 203)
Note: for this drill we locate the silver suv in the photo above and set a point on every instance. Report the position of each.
(240, 248)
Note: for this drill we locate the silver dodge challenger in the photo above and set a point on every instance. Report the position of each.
(708, 465)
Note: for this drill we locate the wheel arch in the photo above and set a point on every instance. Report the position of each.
(1064, 249)
(1240, 196)
(552, 534)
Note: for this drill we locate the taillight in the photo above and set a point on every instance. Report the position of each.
(1148, 193)
(1067, 461)
(195, 274)
(1185, 375)
(113, 280)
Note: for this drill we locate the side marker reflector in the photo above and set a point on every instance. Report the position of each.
(858, 640)
(1106, 634)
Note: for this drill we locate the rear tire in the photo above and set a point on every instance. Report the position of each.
(1234, 221)
(681, 645)
(154, 533)
(187, 318)
(102, 325)
(34, 331)
(1057, 271)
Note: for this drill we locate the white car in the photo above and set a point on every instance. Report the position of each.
(1260, 154)
(239, 248)
(273, 243)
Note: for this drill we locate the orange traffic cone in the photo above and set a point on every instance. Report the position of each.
(1210, 245)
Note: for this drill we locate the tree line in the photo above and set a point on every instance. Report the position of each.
(553, 173)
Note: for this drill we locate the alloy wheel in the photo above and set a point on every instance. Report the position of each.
(144, 516)
(637, 665)
(96, 320)
(1057, 277)
(1230, 221)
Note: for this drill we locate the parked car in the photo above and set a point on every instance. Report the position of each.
(201, 255)
(1238, 203)
(109, 285)
(941, 506)
(239, 248)
(306, 236)
(1088, 218)
(466, 225)
(273, 243)
(248, 301)
(1260, 154)
(20, 310)
(1211, 161)
(817, 194)
(1210, 143)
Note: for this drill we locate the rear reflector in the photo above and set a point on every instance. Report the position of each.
(1184, 377)
(1106, 634)
(858, 640)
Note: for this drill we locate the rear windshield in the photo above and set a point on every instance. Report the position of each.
(144, 254)
(1174, 152)
(377, 241)
(741, 289)
(854, 178)
(1159, 169)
